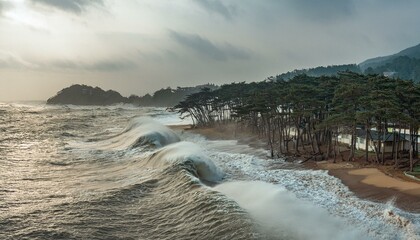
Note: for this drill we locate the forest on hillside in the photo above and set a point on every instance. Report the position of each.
(332, 70)
(402, 67)
(167, 97)
(309, 113)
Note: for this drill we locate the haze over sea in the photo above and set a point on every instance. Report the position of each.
(118, 172)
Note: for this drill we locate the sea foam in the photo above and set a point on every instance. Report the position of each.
(285, 216)
(316, 187)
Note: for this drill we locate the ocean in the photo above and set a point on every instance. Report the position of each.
(118, 172)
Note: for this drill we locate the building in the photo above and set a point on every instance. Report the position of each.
(387, 141)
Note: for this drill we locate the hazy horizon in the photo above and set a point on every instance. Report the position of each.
(139, 46)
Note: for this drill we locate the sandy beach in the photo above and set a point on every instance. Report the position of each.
(365, 182)
(374, 185)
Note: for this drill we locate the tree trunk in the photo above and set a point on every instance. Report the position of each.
(367, 142)
(383, 148)
(335, 149)
(328, 145)
(297, 138)
(416, 153)
(411, 160)
(393, 144)
(352, 145)
(395, 154)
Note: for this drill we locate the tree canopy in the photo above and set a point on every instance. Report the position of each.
(309, 112)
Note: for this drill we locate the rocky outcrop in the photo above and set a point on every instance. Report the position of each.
(86, 95)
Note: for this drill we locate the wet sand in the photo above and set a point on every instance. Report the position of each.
(374, 185)
(366, 183)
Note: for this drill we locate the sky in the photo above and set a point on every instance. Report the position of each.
(140, 46)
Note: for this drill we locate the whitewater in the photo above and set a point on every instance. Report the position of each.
(119, 172)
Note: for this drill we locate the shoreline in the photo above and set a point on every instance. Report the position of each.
(370, 183)
(373, 183)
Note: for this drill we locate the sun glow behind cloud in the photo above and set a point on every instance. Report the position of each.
(139, 46)
(22, 14)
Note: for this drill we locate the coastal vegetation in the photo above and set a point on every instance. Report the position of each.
(332, 70)
(167, 97)
(307, 114)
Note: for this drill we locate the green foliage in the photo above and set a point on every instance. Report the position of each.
(317, 108)
(168, 97)
(401, 67)
(320, 71)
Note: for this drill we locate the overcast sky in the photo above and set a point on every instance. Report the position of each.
(139, 46)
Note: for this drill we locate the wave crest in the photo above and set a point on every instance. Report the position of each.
(140, 132)
(187, 153)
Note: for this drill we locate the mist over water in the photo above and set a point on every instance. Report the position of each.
(118, 173)
(284, 216)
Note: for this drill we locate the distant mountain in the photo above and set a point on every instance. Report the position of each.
(412, 52)
(86, 95)
(404, 65)
(400, 67)
(320, 71)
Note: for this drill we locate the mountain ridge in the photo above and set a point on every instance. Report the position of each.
(412, 52)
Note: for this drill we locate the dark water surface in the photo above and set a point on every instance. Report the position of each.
(106, 173)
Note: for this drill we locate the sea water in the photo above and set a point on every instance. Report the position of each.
(71, 172)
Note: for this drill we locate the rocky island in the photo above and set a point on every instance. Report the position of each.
(86, 95)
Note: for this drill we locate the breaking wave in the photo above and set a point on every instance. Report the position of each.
(140, 132)
(285, 216)
(188, 153)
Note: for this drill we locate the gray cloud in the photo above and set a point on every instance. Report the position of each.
(272, 36)
(4, 6)
(206, 48)
(10, 60)
(323, 10)
(73, 6)
(100, 66)
(217, 7)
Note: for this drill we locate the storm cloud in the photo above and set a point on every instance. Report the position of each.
(4, 6)
(217, 7)
(139, 46)
(323, 10)
(99, 66)
(10, 60)
(207, 49)
(73, 6)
